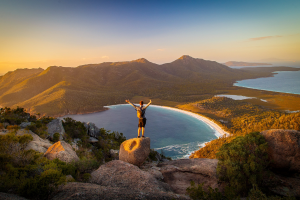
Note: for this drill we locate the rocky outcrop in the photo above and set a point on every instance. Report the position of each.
(284, 148)
(120, 174)
(6, 196)
(24, 124)
(179, 173)
(285, 186)
(63, 151)
(114, 154)
(135, 150)
(92, 140)
(89, 191)
(37, 144)
(93, 130)
(55, 126)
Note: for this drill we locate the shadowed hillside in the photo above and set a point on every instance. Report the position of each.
(87, 88)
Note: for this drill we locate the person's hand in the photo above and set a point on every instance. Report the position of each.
(127, 101)
(150, 101)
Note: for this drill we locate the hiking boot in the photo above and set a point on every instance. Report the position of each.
(143, 136)
(138, 136)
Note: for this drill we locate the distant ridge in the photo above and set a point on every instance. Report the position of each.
(235, 63)
(141, 60)
(58, 91)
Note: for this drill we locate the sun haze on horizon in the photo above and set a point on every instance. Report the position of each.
(72, 32)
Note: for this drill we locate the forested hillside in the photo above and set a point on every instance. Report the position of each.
(65, 90)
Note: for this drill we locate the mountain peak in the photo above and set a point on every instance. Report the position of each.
(141, 60)
(186, 57)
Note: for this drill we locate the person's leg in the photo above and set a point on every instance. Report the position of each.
(143, 126)
(143, 131)
(139, 131)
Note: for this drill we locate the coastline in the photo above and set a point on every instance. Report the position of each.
(219, 132)
(188, 148)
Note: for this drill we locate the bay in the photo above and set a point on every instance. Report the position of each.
(175, 133)
(283, 81)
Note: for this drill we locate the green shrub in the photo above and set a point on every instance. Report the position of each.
(86, 165)
(39, 128)
(12, 149)
(56, 137)
(14, 116)
(41, 186)
(162, 154)
(256, 194)
(152, 155)
(12, 128)
(197, 192)
(243, 161)
(74, 129)
(86, 177)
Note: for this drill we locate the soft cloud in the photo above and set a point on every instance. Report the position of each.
(264, 38)
(104, 57)
(160, 49)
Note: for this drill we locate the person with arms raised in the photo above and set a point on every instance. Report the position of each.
(141, 114)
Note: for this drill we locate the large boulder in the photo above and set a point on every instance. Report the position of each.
(63, 151)
(179, 173)
(93, 130)
(135, 150)
(121, 174)
(89, 191)
(284, 148)
(55, 126)
(37, 144)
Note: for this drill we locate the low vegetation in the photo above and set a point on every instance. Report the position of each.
(15, 116)
(31, 175)
(243, 165)
(240, 118)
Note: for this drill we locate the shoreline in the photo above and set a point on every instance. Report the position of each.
(219, 132)
(216, 130)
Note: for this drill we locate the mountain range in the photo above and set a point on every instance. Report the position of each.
(57, 91)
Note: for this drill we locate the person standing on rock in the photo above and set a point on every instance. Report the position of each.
(141, 114)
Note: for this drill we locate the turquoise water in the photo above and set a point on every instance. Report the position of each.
(284, 81)
(176, 133)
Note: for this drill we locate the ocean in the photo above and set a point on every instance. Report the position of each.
(284, 81)
(174, 133)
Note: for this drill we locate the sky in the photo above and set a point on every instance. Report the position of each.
(42, 33)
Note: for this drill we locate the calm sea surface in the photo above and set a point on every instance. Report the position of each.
(284, 81)
(176, 133)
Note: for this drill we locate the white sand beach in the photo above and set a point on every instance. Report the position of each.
(218, 130)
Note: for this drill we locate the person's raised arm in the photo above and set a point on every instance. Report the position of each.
(130, 103)
(148, 104)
